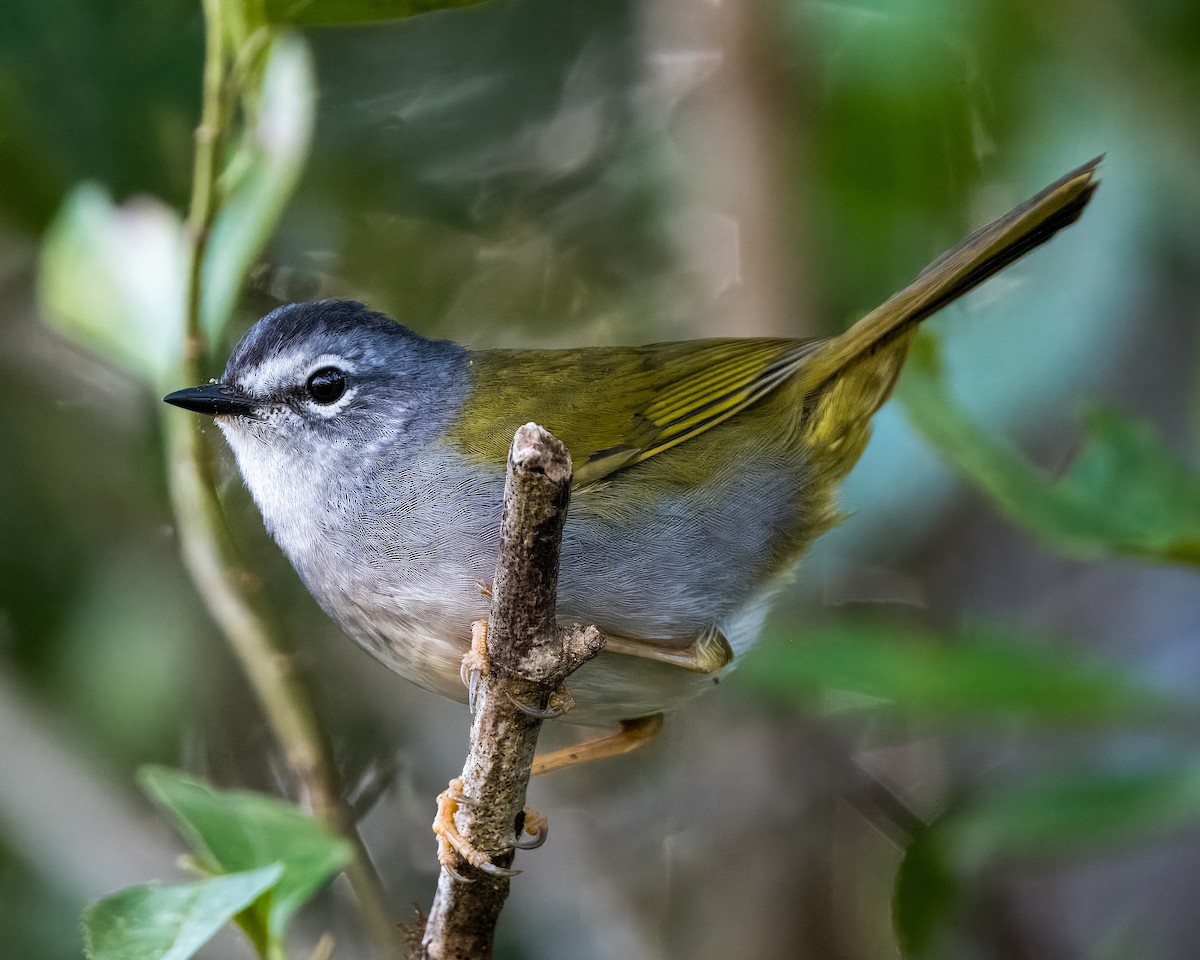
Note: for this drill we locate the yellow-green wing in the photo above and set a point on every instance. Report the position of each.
(617, 406)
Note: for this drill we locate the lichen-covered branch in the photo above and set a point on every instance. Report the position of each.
(529, 656)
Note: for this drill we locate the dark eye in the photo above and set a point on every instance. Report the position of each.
(326, 385)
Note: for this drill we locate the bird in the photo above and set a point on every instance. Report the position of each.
(703, 469)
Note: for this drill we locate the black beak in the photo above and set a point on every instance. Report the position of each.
(215, 399)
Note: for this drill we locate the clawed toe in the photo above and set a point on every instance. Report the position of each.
(538, 713)
(452, 845)
(451, 842)
(454, 873)
(473, 689)
(469, 675)
(560, 702)
(537, 826)
(492, 870)
(474, 662)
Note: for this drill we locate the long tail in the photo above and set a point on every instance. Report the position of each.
(959, 270)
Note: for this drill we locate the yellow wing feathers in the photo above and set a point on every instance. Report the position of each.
(722, 379)
(615, 407)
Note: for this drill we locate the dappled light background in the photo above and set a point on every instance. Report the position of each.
(560, 172)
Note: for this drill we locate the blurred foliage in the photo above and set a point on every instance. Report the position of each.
(96, 91)
(911, 679)
(553, 191)
(113, 278)
(262, 859)
(1071, 813)
(951, 679)
(531, 171)
(1051, 817)
(1124, 493)
(259, 177)
(234, 833)
(36, 921)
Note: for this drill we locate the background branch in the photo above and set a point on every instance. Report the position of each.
(529, 657)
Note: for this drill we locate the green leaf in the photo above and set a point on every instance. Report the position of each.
(1125, 494)
(317, 13)
(170, 923)
(980, 675)
(1123, 468)
(924, 895)
(112, 278)
(259, 178)
(1069, 814)
(233, 832)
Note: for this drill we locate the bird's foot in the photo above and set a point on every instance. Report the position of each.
(475, 662)
(707, 654)
(711, 651)
(451, 842)
(475, 665)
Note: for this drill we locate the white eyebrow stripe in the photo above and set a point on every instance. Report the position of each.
(263, 378)
(286, 369)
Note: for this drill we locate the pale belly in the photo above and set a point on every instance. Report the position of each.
(426, 645)
(407, 583)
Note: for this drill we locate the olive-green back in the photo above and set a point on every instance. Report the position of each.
(613, 407)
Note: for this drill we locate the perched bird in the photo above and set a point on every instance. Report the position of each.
(702, 470)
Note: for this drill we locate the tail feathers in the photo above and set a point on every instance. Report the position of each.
(959, 270)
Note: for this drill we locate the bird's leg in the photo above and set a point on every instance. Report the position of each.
(708, 653)
(475, 662)
(631, 735)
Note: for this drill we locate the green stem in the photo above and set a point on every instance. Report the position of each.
(230, 591)
(203, 210)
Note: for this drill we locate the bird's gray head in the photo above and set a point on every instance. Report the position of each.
(325, 372)
(327, 386)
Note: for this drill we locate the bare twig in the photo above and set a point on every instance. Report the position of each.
(529, 657)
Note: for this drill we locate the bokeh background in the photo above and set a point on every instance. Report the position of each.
(554, 172)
